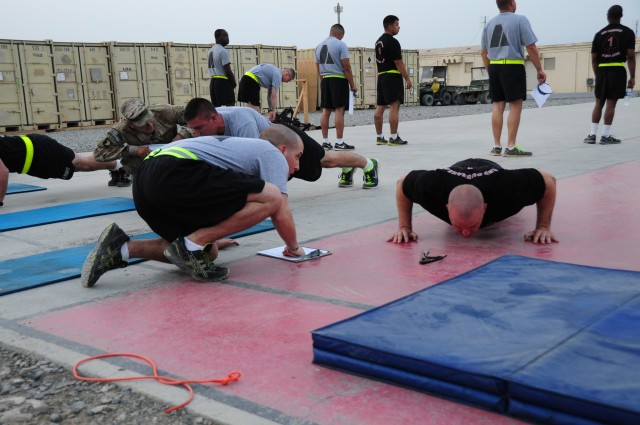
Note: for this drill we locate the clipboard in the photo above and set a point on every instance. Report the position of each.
(310, 254)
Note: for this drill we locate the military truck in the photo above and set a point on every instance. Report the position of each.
(476, 91)
(434, 88)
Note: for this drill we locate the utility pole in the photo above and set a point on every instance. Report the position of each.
(338, 9)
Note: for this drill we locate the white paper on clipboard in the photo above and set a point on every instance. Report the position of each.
(352, 101)
(277, 253)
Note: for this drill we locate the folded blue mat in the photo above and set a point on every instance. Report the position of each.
(66, 212)
(21, 188)
(24, 273)
(545, 341)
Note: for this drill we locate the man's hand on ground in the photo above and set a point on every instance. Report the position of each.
(403, 235)
(540, 235)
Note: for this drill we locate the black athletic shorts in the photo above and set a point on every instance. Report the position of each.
(176, 197)
(310, 161)
(221, 92)
(507, 82)
(249, 91)
(334, 93)
(390, 88)
(51, 160)
(611, 82)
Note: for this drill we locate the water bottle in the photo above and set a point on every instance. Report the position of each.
(627, 96)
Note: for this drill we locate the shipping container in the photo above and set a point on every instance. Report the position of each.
(83, 84)
(99, 105)
(40, 96)
(287, 58)
(411, 59)
(139, 71)
(182, 70)
(13, 115)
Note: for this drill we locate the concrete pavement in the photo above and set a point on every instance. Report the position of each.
(320, 209)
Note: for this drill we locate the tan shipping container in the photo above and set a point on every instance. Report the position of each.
(182, 70)
(369, 75)
(411, 62)
(139, 71)
(83, 82)
(287, 58)
(40, 95)
(13, 115)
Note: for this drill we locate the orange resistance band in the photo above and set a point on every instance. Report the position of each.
(232, 377)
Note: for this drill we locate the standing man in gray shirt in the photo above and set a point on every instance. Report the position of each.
(502, 44)
(334, 69)
(267, 76)
(222, 79)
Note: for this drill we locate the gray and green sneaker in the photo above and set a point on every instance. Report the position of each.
(516, 151)
(104, 256)
(397, 141)
(198, 264)
(370, 177)
(346, 177)
(380, 140)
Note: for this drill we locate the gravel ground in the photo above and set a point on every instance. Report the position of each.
(36, 391)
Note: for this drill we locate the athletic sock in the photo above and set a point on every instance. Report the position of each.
(380, 136)
(606, 131)
(339, 141)
(594, 128)
(394, 136)
(118, 165)
(124, 251)
(191, 246)
(369, 165)
(326, 140)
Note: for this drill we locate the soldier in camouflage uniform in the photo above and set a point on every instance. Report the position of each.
(140, 126)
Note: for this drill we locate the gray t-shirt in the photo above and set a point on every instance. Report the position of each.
(505, 36)
(329, 55)
(267, 74)
(218, 58)
(253, 157)
(240, 121)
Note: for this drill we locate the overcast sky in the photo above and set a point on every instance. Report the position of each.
(424, 23)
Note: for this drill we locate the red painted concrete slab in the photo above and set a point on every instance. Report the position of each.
(597, 219)
(202, 331)
(207, 330)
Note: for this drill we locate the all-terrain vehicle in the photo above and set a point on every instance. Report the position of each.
(434, 88)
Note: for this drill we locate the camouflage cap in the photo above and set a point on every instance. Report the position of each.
(136, 112)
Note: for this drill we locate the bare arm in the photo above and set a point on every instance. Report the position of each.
(284, 224)
(229, 73)
(405, 209)
(4, 180)
(542, 232)
(631, 63)
(532, 50)
(272, 102)
(485, 59)
(403, 71)
(349, 74)
(594, 62)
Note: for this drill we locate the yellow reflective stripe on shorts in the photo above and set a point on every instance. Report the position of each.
(393, 71)
(611, 64)
(253, 76)
(334, 76)
(506, 62)
(28, 157)
(175, 151)
(224, 77)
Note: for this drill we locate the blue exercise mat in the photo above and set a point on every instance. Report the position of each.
(24, 273)
(66, 212)
(21, 188)
(546, 341)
